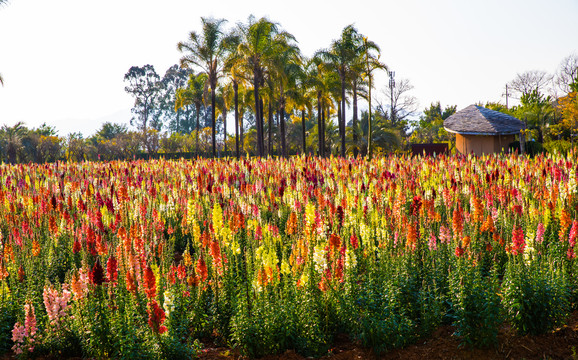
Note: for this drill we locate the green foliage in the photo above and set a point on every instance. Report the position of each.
(558, 147)
(430, 127)
(274, 325)
(535, 300)
(476, 306)
(380, 325)
(532, 148)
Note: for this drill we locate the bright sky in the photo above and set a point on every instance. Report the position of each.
(63, 61)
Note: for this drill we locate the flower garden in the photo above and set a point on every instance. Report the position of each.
(149, 259)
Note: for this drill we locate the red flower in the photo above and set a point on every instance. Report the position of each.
(181, 272)
(354, 242)
(76, 247)
(518, 242)
(150, 286)
(156, 317)
(334, 242)
(459, 251)
(112, 269)
(96, 275)
(202, 269)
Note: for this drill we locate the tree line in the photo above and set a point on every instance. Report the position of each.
(284, 103)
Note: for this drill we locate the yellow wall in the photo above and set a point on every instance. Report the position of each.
(483, 144)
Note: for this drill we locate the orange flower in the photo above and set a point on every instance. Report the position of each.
(215, 251)
(334, 242)
(291, 224)
(130, 284)
(35, 248)
(466, 241)
(411, 237)
(565, 222)
(478, 209)
(488, 225)
(458, 222)
(202, 269)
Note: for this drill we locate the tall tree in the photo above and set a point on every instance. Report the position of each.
(567, 72)
(144, 86)
(234, 70)
(372, 63)
(285, 69)
(208, 52)
(526, 82)
(11, 140)
(537, 110)
(224, 99)
(341, 56)
(180, 119)
(194, 94)
(401, 105)
(257, 47)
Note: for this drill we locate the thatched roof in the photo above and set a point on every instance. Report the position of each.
(477, 120)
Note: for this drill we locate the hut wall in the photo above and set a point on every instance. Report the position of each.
(482, 144)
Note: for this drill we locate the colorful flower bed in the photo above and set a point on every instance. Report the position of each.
(148, 259)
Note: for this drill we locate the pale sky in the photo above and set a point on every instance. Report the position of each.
(63, 61)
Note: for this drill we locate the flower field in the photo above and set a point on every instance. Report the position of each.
(149, 259)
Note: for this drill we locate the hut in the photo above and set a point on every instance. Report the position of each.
(482, 131)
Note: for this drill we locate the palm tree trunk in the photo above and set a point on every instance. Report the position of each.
(282, 126)
(342, 123)
(241, 132)
(323, 112)
(258, 114)
(225, 130)
(270, 136)
(339, 117)
(303, 135)
(319, 124)
(236, 89)
(370, 122)
(213, 120)
(198, 128)
(262, 121)
(354, 117)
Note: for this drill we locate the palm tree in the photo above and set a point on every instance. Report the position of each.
(11, 137)
(194, 93)
(285, 69)
(382, 136)
(207, 51)
(258, 46)
(372, 63)
(341, 56)
(223, 100)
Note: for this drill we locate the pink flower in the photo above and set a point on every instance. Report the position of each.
(432, 243)
(540, 233)
(18, 335)
(445, 235)
(56, 304)
(23, 335)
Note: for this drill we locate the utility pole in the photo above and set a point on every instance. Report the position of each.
(391, 87)
(507, 96)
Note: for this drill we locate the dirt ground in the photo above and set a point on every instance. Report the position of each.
(561, 343)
